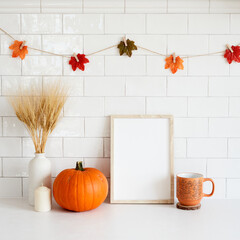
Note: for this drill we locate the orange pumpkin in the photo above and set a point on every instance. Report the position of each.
(80, 189)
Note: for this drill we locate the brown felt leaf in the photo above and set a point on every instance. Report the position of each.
(126, 49)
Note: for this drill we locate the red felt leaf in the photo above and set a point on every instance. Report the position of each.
(78, 64)
(233, 56)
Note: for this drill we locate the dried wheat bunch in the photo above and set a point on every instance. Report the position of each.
(39, 110)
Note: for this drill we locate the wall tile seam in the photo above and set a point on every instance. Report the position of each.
(230, 23)
(21, 185)
(12, 177)
(108, 116)
(226, 188)
(125, 14)
(1, 166)
(119, 13)
(147, 54)
(121, 33)
(99, 137)
(20, 24)
(210, 138)
(41, 8)
(23, 177)
(51, 158)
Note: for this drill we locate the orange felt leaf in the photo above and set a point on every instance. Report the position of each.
(174, 66)
(17, 51)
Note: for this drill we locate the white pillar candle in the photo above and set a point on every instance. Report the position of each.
(42, 197)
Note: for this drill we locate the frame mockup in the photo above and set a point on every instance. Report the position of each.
(142, 159)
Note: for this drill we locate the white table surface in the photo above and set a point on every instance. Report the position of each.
(217, 219)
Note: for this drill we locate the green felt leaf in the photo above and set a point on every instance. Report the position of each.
(126, 49)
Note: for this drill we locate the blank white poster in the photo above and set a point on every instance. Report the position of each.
(141, 168)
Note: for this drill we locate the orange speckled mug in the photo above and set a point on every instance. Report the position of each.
(190, 188)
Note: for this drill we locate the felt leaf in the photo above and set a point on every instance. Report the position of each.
(17, 52)
(174, 66)
(232, 56)
(78, 64)
(126, 49)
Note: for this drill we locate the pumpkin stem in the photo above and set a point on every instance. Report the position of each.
(79, 166)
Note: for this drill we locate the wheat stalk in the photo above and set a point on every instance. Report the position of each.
(39, 110)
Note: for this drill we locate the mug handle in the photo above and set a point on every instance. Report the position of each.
(213, 187)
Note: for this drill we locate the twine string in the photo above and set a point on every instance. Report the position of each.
(51, 53)
(190, 56)
(201, 55)
(104, 49)
(146, 49)
(7, 34)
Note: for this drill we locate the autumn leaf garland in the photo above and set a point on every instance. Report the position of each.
(125, 47)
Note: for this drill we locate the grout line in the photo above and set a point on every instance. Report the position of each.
(104, 145)
(41, 38)
(42, 84)
(125, 86)
(104, 67)
(62, 23)
(84, 87)
(166, 83)
(104, 106)
(21, 144)
(187, 155)
(230, 23)
(145, 105)
(84, 126)
(2, 118)
(227, 148)
(22, 185)
(167, 45)
(146, 65)
(20, 20)
(226, 188)
(208, 87)
(146, 20)
(121, 33)
(2, 166)
(132, 13)
(206, 168)
(228, 99)
(40, 6)
(104, 24)
(63, 153)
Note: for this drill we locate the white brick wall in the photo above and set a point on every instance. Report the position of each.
(204, 98)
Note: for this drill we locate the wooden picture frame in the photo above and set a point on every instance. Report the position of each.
(142, 135)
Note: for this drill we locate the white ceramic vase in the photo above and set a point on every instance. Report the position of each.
(39, 170)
